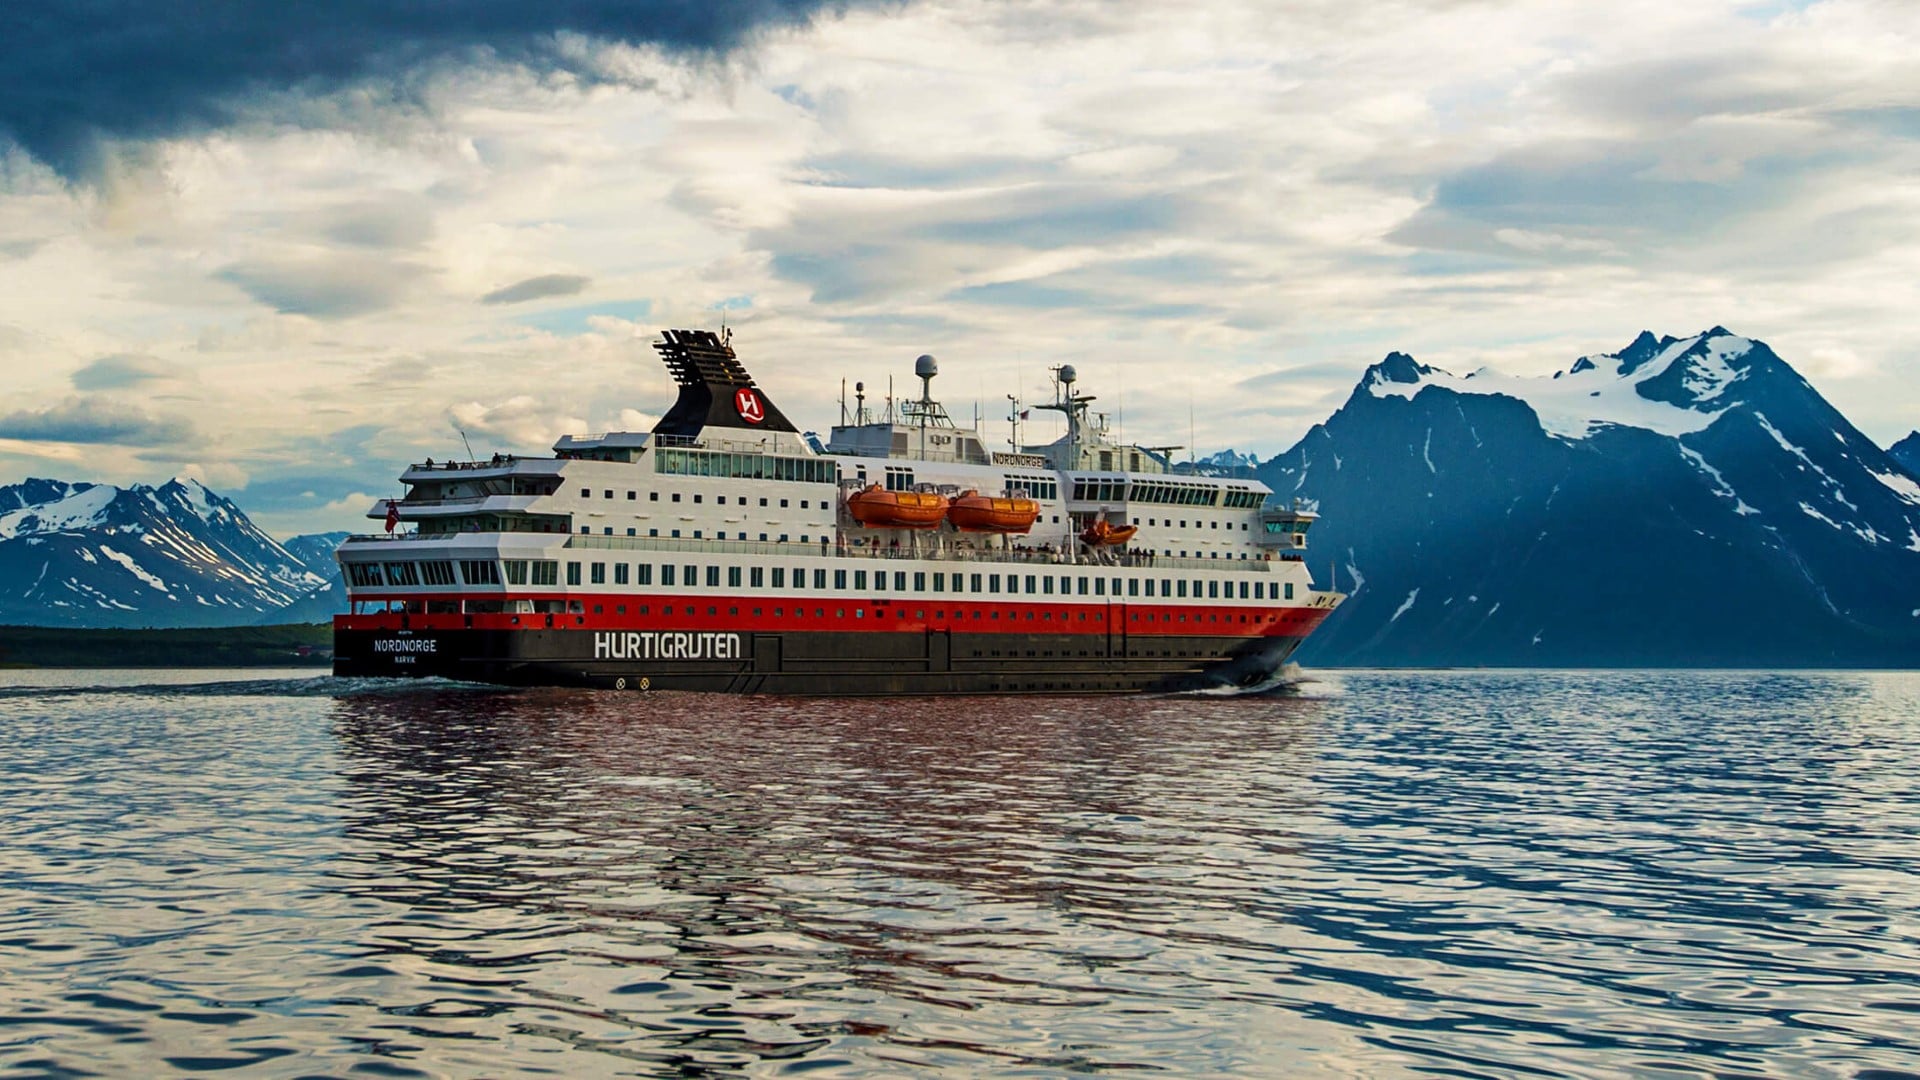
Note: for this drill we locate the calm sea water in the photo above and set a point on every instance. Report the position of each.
(1381, 874)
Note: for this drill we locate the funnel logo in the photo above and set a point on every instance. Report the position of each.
(748, 405)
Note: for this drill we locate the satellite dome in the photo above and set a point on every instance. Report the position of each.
(1067, 374)
(926, 367)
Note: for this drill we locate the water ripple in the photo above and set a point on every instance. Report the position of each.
(1362, 874)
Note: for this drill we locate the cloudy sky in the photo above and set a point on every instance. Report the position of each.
(287, 248)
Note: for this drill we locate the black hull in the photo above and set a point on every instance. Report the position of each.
(816, 663)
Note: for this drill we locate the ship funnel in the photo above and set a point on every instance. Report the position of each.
(715, 390)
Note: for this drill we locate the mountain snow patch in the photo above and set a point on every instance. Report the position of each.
(133, 568)
(1902, 486)
(78, 510)
(1595, 392)
(1406, 604)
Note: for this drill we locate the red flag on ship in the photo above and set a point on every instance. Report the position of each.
(393, 515)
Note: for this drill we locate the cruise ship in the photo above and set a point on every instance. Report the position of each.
(725, 551)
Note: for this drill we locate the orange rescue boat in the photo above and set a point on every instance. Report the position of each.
(1101, 534)
(974, 512)
(877, 508)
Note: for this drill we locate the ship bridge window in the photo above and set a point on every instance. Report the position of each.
(402, 573)
(516, 571)
(807, 470)
(480, 571)
(364, 573)
(546, 572)
(1042, 488)
(439, 572)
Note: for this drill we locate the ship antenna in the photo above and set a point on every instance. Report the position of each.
(465, 443)
(843, 401)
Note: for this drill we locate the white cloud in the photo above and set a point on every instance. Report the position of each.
(1177, 199)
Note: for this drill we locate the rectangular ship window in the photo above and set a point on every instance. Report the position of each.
(733, 577)
(993, 583)
(546, 572)
(974, 585)
(573, 573)
(919, 581)
(643, 573)
(620, 573)
(598, 573)
(820, 578)
(713, 577)
(899, 581)
(779, 577)
(1289, 590)
(839, 579)
(859, 579)
(667, 573)
(756, 577)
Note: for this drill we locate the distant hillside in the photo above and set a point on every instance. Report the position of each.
(233, 646)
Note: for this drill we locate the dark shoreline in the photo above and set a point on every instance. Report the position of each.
(295, 645)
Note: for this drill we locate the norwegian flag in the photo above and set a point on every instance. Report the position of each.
(393, 515)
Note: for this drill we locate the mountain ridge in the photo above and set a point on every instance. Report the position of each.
(1681, 500)
(173, 554)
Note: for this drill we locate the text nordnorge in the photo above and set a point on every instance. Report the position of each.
(406, 645)
(665, 645)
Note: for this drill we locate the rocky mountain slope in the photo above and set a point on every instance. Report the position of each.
(79, 554)
(1683, 501)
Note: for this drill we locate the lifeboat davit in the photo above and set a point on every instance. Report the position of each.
(974, 512)
(1101, 534)
(877, 508)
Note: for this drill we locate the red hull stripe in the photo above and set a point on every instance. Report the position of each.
(854, 614)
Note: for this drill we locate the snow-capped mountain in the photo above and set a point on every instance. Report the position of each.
(1907, 452)
(1224, 463)
(1682, 501)
(78, 554)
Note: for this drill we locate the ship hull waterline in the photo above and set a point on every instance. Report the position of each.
(814, 663)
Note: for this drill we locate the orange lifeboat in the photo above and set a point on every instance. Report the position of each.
(1101, 534)
(877, 508)
(974, 512)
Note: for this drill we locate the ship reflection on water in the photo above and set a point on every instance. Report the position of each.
(1467, 873)
(699, 882)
